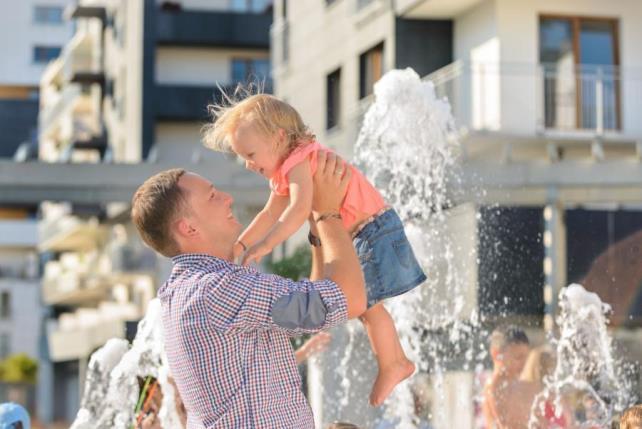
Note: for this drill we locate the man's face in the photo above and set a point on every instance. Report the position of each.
(258, 151)
(209, 210)
(512, 359)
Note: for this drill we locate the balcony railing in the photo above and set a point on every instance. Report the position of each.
(69, 98)
(213, 28)
(543, 97)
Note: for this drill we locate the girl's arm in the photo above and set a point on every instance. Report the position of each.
(296, 213)
(262, 223)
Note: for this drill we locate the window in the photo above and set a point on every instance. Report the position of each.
(5, 345)
(256, 6)
(5, 305)
(44, 54)
(370, 69)
(251, 70)
(579, 58)
(48, 15)
(333, 99)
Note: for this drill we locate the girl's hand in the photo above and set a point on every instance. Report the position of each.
(316, 344)
(256, 252)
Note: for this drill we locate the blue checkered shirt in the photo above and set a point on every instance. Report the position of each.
(227, 331)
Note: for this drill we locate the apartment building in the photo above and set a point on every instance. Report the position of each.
(32, 34)
(127, 97)
(547, 97)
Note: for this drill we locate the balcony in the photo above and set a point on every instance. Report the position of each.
(84, 11)
(72, 100)
(69, 233)
(213, 29)
(432, 9)
(542, 100)
(78, 334)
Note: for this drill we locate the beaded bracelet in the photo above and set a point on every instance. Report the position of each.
(325, 216)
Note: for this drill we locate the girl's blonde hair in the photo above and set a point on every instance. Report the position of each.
(632, 418)
(266, 113)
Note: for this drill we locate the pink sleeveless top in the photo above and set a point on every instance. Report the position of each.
(361, 196)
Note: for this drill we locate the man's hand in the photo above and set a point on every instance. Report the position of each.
(256, 252)
(330, 183)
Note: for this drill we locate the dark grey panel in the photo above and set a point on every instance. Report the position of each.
(18, 122)
(424, 45)
(213, 28)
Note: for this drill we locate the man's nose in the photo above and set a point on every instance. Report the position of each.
(229, 199)
(249, 165)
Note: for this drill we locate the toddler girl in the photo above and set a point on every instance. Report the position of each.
(275, 143)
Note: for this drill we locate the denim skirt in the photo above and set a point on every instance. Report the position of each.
(389, 265)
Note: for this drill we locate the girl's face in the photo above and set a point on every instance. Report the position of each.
(259, 151)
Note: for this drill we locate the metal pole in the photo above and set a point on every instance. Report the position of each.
(599, 102)
(554, 260)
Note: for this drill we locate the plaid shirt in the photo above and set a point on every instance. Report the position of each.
(226, 333)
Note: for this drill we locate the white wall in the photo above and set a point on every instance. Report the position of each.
(323, 38)
(198, 66)
(19, 34)
(477, 45)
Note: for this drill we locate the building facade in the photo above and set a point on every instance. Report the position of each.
(547, 98)
(128, 95)
(32, 35)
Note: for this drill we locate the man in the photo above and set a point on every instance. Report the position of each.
(507, 400)
(226, 326)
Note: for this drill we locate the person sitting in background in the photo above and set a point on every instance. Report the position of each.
(632, 418)
(14, 416)
(540, 364)
(507, 400)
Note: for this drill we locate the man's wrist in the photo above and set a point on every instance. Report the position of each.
(313, 239)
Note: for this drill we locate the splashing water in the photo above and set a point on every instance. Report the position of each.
(407, 147)
(586, 371)
(112, 389)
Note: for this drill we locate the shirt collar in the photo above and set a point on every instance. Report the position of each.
(191, 259)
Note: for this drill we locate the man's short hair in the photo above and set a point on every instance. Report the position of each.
(505, 336)
(155, 206)
(632, 418)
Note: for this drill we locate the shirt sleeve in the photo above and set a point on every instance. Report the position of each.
(248, 300)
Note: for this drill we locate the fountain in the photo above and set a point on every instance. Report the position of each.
(112, 388)
(587, 371)
(408, 148)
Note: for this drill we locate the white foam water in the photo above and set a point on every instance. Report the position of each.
(408, 148)
(587, 376)
(112, 387)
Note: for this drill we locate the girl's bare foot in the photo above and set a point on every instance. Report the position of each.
(388, 378)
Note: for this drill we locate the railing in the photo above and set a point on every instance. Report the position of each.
(537, 97)
(59, 104)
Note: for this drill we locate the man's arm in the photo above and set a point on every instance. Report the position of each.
(246, 299)
(340, 261)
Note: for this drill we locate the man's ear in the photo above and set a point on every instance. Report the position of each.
(184, 228)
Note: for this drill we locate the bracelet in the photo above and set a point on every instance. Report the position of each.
(242, 245)
(325, 216)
